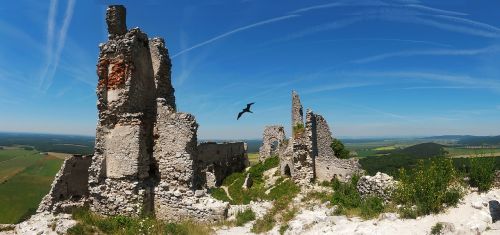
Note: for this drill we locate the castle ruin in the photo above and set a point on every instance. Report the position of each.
(147, 159)
(307, 155)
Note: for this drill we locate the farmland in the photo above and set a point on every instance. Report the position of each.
(25, 177)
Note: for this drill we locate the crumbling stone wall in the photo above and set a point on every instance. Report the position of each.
(272, 134)
(297, 112)
(70, 186)
(126, 114)
(162, 73)
(222, 159)
(146, 152)
(308, 155)
(175, 148)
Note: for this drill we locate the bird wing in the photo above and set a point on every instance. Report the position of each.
(239, 114)
(248, 105)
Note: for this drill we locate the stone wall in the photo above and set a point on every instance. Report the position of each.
(327, 166)
(70, 186)
(146, 154)
(222, 159)
(162, 73)
(175, 150)
(308, 156)
(272, 134)
(146, 157)
(297, 112)
(122, 155)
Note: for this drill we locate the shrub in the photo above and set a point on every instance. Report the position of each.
(428, 187)
(346, 195)
(437, 228)
(339, 149)
(482, 173)
(298, 129)
(371, 207)
(244, 217)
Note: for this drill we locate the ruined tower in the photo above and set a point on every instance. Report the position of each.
(297, 112)
(308, 157)
(146, 158)
(122, 157)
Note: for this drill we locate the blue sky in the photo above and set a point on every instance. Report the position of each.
(371, 67)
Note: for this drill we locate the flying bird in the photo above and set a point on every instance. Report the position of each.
(245, 110)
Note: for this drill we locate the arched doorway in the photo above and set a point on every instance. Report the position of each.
(274, 147)
(287, 171)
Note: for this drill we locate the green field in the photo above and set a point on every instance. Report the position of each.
(471, 152)
(25, 177)
(253, 158)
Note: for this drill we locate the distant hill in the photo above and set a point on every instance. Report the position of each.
(50, 143)
(446, 137)
(401, 158)
(468, 140)
(479, 140)
(422, 150)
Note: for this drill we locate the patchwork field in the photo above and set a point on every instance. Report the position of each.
(253, 158)
(25, 177)
(472, 152)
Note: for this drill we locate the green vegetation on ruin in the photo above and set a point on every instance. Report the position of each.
(234, 183)
(281, 194)
(244, 217)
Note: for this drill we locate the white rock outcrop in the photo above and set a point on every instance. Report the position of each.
(380, 185)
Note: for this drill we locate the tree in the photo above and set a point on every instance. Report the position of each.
(339, 149)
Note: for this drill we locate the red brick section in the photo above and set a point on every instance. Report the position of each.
(116, 77)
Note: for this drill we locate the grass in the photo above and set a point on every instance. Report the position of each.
(471, 152)
(253, 158)
(385, 148)
(282, 195)
(27, 177)
(436, 229)
(90, 223)
(234, 183)
(245, 217)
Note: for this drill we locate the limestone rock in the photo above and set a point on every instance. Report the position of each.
(46, 223)
(380, 185)
(248, 182)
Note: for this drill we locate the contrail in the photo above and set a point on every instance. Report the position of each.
(54, 57)
(272, 20)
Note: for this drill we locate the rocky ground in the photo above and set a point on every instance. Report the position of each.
(471, 216)
(41, 223)
(475, 214)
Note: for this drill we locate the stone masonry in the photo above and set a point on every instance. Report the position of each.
(70, 186)
(272, 134)
(297, 112)
(219, 160)
(307, 156)
(146, 158)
